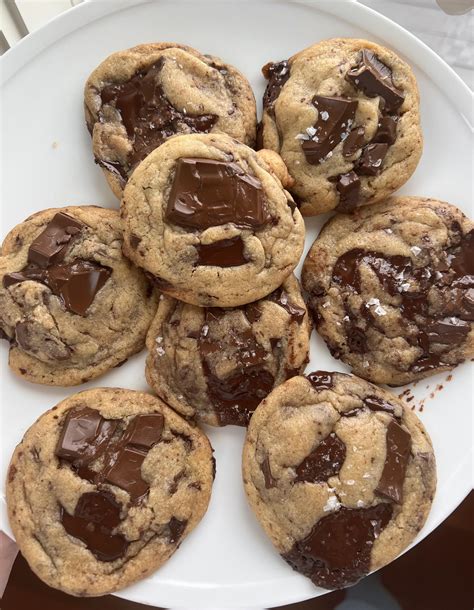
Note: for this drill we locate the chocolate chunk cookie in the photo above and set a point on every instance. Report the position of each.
(340, 475)
(344, 115)
(216, 365)
(136, 99)
(209, 219)
(392, 289)
(71, 305)
(104, 487)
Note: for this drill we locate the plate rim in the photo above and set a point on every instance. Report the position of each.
(352, 11)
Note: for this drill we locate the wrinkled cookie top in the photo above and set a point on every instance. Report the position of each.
(340, 475)
(104, 487)
(344, 115)
(216, 365)
(138, 98)
(392, 289)
(67, 295)
(208, 218)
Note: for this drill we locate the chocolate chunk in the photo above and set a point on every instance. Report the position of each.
(125, 472)
(379, 404)
(348, 187)
(337, 552)
(371, 160)
(321, 380)
(387, 130)
(356, 339)
(77, 283)
(354, 141)
(223, 253)
(207, 193)
(281, 297)
(176, 528)
(84, 436)
(391, 481)
(148, 116)
(277, 74)
(461, 258)
(96, 515)
(52, 244)
(427, 362)
(145, 430)
(236, 396)
(253, 313)
(448, 331)
(323, 462)
(374, 78)
(114, 168)
(267, 473)
(335, 118)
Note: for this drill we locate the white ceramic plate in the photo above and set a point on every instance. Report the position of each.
(47, 161)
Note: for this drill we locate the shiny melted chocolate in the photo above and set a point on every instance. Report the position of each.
(76, 283)
(398, 447)
(277, 74)
(337, 551)
(453, 275)
(207, 193)
(236, 396)
(323, 462)
(147, 114)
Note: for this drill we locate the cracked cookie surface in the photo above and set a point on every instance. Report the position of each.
(391, 289)
(340, 475)
(104, 487)
(137, 98)
(344, 116)
(216, 365)
(209, 219)
(71, 305)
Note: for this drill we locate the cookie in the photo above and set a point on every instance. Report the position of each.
(340, 475)
(104, 487)
(209, 219)
(392, 289)
(344, 115)
(138, 98)
(216, 365)
(71, 305)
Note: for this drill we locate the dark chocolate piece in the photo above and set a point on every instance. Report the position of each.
(337, 552)
(387, 130)
(323, 462)
(267, 473)
(277, 74)
(448, 331)
(374, 78)
(84, 436)
(236, 396)
(378, 404)
(320, 380)
(335, 118)
(372, 158)
(51, 245)
(354, 141)
(348, 187)
(281, 297)
(223, 253)
(207, 193)
(176, 528)
(148, 116)
(96, 515)
(115, 168)
(390, 485)
(259, 138)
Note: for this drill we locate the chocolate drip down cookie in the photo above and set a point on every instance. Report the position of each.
(391, 289)
(344, 116)
(71, 305)
(138, 98)
(104, 487)
(339, 473)
(209, 220)
(216, 365)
